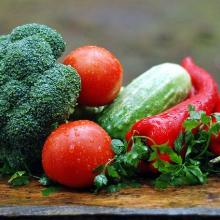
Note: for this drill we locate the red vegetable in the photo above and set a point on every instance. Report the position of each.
(101, 74)
(165, 127)
(215, 141)
(215, 145)
(217, 107)
(73, 151)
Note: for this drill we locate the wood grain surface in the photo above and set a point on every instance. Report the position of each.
(207, 196)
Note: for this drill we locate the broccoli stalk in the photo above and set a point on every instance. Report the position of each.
(35, 93)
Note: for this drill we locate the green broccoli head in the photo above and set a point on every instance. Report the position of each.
(4, 41)
(52, 37)
(35, 93)
(4, 108)
(29, 55)
(54, 94)
(15, 91)
(4, 37)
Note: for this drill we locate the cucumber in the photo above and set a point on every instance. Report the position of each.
(154, 91)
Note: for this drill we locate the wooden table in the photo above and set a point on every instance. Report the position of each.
(194, 202)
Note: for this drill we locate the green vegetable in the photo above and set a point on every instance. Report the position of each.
(52, 37)
(119, 172)
(50, 190)
(44, 181)
(100, 180)
(36, 93)
(152, 92)
(19, 178)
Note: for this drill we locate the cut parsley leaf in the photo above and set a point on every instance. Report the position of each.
(19, 178)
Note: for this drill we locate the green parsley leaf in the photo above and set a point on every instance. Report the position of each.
(19, 178)
(215, 128)
(44, 181)
(50, 190)
(153, 155)
(132, 159)
(169, 151)
(189, 140)
(100, 181)
(113, 188)
(118, 146)
(180, 175)
(112, 172)
(190, 124)
(140, 148)
(120, 168)
(178, 144)
(196, 171)
(122, 185)
(116, 187)
(205, 118)
(163, 181)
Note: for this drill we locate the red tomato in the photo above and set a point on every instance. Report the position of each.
(101, 74)
(73, 151)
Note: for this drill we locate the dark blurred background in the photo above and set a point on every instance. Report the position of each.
(141, 33)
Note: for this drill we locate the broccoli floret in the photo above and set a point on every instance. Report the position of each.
(35, 93)
(22, 127)
(3, 78)
(4, 107)
(29, 55)
(52, 94)
(4, 37)
(4, 41)
(14, 91)
(48, 34)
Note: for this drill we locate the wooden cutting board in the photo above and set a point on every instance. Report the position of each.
(145, 201)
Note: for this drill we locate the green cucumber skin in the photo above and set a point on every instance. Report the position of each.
(154, 91)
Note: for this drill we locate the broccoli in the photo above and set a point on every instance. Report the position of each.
(4, 41)
(36, 93)
(53, 38)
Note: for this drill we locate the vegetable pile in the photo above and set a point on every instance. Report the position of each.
(164, 125)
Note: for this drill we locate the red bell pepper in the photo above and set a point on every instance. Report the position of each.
(215, 141)
(217, 107)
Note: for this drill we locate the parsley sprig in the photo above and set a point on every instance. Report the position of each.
(117, 172)
(190, 161)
